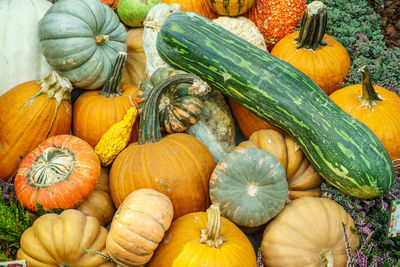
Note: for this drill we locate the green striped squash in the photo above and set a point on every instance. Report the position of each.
(344, 150)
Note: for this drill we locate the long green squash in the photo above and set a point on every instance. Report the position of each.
(344, 150)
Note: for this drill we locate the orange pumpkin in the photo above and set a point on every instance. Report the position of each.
(318, 55)
(111, 3)
(31, 112)
(138, 226)
(202, 7)
(376, 107)
(96, 111)
(231, 8)
(276, 18)
(58, 174)
(178, 165)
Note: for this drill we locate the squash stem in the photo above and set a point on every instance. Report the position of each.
(149, 128)
(313, 26)
(327, 257)
(111, 87)
(369, 97)
(211, 236)
(101, 39)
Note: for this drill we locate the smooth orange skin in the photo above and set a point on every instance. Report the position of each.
(181, 245)
(233, 7)
(383, 120)
(202, 7)
(67, 193)
(94, 114)
(327, 66)
(178, 165)
(138, 226)
(276, 18)
(24, 128)
(111, 3)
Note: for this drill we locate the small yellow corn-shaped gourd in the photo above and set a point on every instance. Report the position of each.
(116, 138)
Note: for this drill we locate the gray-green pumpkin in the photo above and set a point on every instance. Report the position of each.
(250, 187)
(81, 39)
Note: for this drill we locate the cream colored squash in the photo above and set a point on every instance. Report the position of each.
(20, 56)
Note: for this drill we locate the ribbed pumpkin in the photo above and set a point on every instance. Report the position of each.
(59, 174)
(99, 203)
(111, 3)
(204, 239)
(85, 50)
(320, 56)
(31, 112)
(231, 8)
(249, 185)
(309, 232)
(138, 226)
(179, 108)
(376, 107)
(135, 66)
(276, 18)
(177, 165)
(61, 240)
(96, 111)
(202, 7)
(300, 174)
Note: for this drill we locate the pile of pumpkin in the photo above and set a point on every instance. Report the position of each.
(173, 173)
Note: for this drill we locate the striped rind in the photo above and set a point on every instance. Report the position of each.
(344, 150)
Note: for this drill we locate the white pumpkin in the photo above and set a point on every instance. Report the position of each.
(20, 57)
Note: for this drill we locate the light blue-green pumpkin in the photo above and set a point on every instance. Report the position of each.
(81, 39)
(250, 187)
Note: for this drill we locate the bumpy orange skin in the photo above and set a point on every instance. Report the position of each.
(383, 119)
(202, 7)
(327, 66)
(276, 18)
(94, 114)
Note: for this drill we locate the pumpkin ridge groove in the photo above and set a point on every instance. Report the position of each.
(125, 260)
(136, 233)
(163, 198)
(147, 215)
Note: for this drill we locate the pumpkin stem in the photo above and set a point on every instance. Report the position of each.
(111, 87)
(101, 39)
(326, 257)
(149, 128)
(369, 97)
(313, 26)
(152, 25)
(211, 236)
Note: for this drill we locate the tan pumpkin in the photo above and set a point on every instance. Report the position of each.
(61, 240)
(99, 203)
(135, 67)
(300, 174)
(309, 232)
(138, 226)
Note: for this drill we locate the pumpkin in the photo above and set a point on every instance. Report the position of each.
(309, 232)
(99, 203)
(177, 165)
(23, 15)
(138, 226)
(318, 55)
(249, 185)
(231, 8)
(61, 240)
(152, 24)
(202, 7)
(303, 180)
(71, 50)
(111, 3)
(247, 121)
(31, 112)
(96, 111)
(59, 174)
(179, 108)
(204, 239)
(276, 19)
(376, 107)
(133, 12)
(135, 67)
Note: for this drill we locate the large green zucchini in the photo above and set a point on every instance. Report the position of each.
(345, 151)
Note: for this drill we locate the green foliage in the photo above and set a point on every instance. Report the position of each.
(356, 26)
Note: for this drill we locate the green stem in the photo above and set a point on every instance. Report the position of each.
(313, 26)
(149, 129)
(369, 97)
(111, 87)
